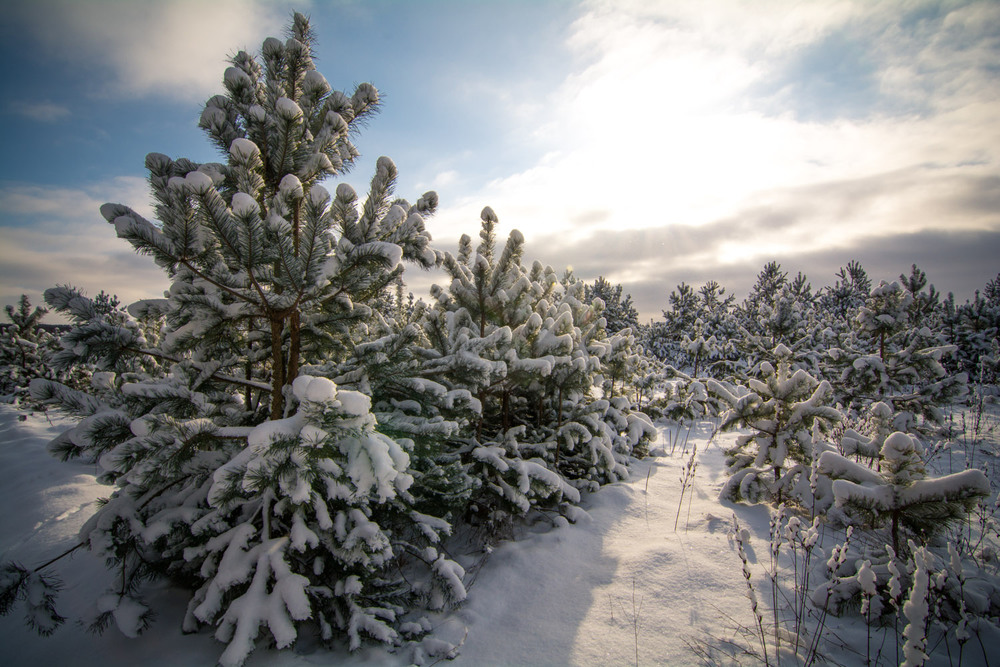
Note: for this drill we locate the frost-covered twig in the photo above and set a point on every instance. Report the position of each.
(740, 535)
(686, 480)
(916, 609)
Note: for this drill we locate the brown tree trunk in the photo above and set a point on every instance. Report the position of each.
(506, 410)
(558, 425)
(277, 368)
(895, 531)
(294, 348)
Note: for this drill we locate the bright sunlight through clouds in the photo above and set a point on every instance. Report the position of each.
(649, 142)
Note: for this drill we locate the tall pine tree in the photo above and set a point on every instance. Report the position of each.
(268, 492)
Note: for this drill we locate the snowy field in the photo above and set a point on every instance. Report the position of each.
(619, 587)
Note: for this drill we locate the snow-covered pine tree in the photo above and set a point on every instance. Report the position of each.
(760, 300)
(23, 347)
(842, 300)
(779, 311)
(397, 368)
(784, 409)
(924, 305)
(890, 361)
(665, 339)
(529, 348)
(619, 311)
(699, 332)
(973, 327)
(899, 492)
(269, 493)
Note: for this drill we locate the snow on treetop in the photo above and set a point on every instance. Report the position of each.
(235, 77)
(288, 109)
(272, 46)
(393, 253)
(293, 46)
(488, 215)
(176, 183)
(314, 389)
(393, 217)
(314, 81)
(353, 402)
(243, 148)
(291, 186)
(157, 161)
(900, 445)
(318, 195)
(365, 95)
(244, 204)
(881, 410)
(345, 191)
(318, 163)
(214, 170)
(212, 115)
(885, 288)
(198, 181)
(516, 236)
(385, 164)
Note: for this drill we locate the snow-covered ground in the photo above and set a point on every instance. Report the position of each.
(620, 586)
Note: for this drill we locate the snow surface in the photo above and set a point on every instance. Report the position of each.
(560, 594)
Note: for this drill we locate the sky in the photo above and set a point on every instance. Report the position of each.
(649, 142)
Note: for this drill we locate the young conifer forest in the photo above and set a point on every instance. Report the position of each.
(289, 459)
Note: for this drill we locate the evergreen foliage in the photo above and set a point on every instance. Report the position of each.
(529, 348)
(785, 410)
(619, 312)
(23, 346)
(269, 493)
(293, 440)
(899, 492)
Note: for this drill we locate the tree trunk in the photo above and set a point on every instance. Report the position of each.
(558, 425)
(294, 347)
(482, 415)
(505, 406)
(277, 368)
(895, 531)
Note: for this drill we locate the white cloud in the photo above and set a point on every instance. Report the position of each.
(51, 236)
(46, 112)
(444, 178)
(677, 114)
(175, 47)
(54, 207)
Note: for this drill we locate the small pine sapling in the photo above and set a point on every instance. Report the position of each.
(900, 493)
(781, 410)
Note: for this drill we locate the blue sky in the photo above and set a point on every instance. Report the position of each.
(649, 142)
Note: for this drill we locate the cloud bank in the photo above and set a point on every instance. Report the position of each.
(164, 49)
(678, 142)
(701, 140)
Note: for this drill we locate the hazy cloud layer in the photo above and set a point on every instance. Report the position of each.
(45, 112)
(682, 141)
(654, 262)
(701, 140)
(165, 49)
(51, 236)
